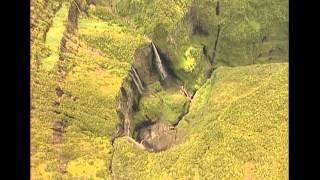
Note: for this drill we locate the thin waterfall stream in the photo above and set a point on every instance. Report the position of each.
(160, 66)
(134, 78)
(138, 78)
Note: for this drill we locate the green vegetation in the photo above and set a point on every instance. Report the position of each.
(111, 39)
(231, 133)
(93, 72)
(248, 26)
(192, 67)
(43, 155)
(54, 36)
(190, 57)
(147, 15)
(42, 13)
(161, 105)
(237, 125)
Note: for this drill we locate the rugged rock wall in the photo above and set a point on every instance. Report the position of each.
(158, 136)
(190, 51)
(144, 65)
(129, 95)
(76, 7)
(153, 134)
(174, 44)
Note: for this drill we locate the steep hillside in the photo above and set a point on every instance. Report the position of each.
(74, 91)
(159, 89)
(230, 132)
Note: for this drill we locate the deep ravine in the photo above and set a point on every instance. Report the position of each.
(132, 90)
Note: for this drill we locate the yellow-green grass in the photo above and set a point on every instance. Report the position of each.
(115, 41)
(91, 86)
(42, 13)
(88, 106)
(55, 35)
(91, 90)
(237, 128)
(192, 66)
(43, 152)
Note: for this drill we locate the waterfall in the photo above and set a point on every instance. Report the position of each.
(137, 77)
(136, 82)
(163, 72)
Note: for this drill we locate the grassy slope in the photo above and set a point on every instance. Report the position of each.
(231, 132)
(43, 155)
(94, 72)
(94, 113)
(42, 14)
(54, 36)
(42, 152)
(244, 23)
(100, 55)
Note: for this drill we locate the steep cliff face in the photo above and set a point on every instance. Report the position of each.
(189, 47)
(151, 130)
(154, 128)
(144, 65)
(222, 33)
(128, 101)
(159, 62)
(140, 75)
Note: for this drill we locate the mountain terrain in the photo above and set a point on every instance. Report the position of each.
(159, 89)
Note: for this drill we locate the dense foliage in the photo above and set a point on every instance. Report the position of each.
(237, 122)
(231, 133)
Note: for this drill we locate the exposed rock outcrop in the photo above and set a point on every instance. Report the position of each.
(139, 77)
(144, 65)
(154, 62)
(158, 136)
(153, 134)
